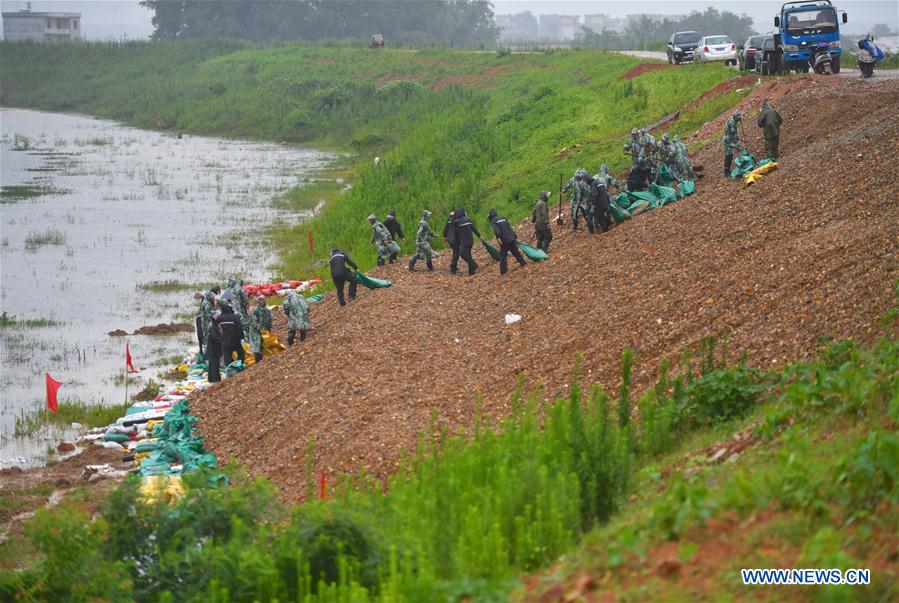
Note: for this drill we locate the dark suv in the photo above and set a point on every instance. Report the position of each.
(766, 56)
(748, 51)
(681, 45)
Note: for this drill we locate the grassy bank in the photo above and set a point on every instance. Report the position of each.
(451, 128)
(634, 481)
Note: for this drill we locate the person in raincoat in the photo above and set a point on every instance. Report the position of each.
(540, 219)
(683, 167)
(600, 199)
(632, 146)
(296, 308)
(423, 237)
(386, 247)
(769, 121)
(731, 140)
(260, 323)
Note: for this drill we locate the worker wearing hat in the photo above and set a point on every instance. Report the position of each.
(731, 140)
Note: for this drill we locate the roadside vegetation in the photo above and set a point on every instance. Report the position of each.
(479, 130)
(607, 481)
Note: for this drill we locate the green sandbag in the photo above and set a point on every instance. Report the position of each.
(665, 194)
(116, 437)
(642, 201)
(371, 283)
(619, 214)
(665, 174)
(146, 447)
(315, 298)
(687, 187)
(234, 368)
(743, 164)
(493, 251)
(532, 252)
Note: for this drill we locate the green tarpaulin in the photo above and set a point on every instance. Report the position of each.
(493, 251)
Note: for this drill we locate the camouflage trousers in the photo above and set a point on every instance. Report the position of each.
(423, 251)
(385, 250)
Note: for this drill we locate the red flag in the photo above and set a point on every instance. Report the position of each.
(52, 388)
(128, 359)
(311, 247)
(323, 488)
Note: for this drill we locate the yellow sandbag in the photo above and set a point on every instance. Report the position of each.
(152, 424)
(271, 345)
(167, 488)
(756, 174)
(248, 358)
(181, 368)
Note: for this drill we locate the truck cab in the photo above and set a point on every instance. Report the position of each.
(803, 25)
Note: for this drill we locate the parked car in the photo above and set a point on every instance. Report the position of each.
(766, 57)
(682, 45)
(717, 48)
(748, 50)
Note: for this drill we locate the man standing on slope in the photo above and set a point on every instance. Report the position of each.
(682, 164)
(449, 236)
(599, 197)
(260, 323)
(395, 230)
(341, 275)
(769, 121)
(540, 219)
(297, 310)
(507, 238)
(579, 199)
(632, 146)
(423, 249)
(731, 140)
(464, 229)
(386, 247)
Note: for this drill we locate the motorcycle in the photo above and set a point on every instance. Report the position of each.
(820, 60)
(868, 55)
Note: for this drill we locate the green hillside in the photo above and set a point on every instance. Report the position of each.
(451, 128)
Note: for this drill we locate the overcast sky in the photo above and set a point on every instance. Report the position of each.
(104, 19)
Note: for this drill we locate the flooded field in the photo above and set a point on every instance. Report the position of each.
(105, 227)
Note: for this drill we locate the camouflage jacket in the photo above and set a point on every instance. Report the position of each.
(731, 137)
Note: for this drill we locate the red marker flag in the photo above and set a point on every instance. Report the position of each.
(52, 388)
(311, 247)
(323, 488)
(128, 359)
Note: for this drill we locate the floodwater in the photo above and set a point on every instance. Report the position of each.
(93, 212)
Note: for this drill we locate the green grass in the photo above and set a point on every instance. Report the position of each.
(451, 128)
(11, 322)
(88, 415)
(168, 286)
(23, 192)
(51, 236)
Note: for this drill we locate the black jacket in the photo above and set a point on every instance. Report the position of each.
(449, 230)
(231, 327)
(396, 231)
(338, 262)
(502, 230)
(464, 228)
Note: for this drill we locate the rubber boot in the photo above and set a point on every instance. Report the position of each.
(430, 265)
(412, 264)
(380, 261)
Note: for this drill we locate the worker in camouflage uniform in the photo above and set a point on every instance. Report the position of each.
(682, 162)
(601, 198)
(731, 140)
(665, 151)
(579, 199)
(387, 248)
(207, 307)
(241, 305)
(769, 121)
(645, 137)
(260, 323)
(396, 232)
(423, 237)
(632, 146)
(540, 219)
(296, 308)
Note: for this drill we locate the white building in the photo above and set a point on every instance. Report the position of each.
(600, 22)
(559, 27)
(28, 25)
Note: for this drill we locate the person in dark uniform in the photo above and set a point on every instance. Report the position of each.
(396, 231)
(232, 331)
(340, 274)
(507, 238)
(214, 345)
(464, 229)
(599, 202)
(449, 236)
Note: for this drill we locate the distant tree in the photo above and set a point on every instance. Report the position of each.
(449, 22)
(712, 22)
(880, 30)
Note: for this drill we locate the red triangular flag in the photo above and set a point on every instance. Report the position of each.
(52, 388)
(311, 247)
(128, 359)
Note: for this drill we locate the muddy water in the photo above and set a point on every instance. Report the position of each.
(92, 215)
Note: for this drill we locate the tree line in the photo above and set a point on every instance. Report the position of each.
(455, 23)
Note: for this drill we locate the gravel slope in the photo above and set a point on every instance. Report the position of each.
(810, 251)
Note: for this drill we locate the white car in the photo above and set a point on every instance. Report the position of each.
(716, 48)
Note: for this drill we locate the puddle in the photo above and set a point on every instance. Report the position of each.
(94, 216)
